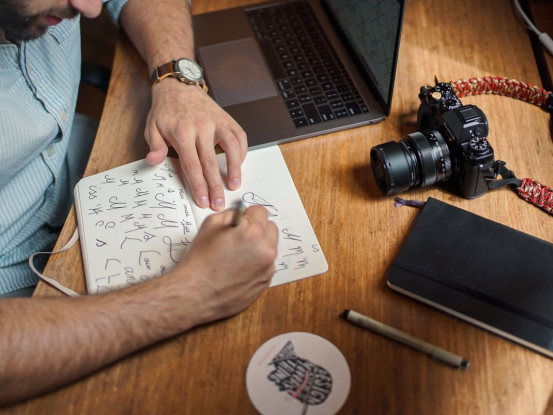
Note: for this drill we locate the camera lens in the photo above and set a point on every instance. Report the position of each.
(419, 160)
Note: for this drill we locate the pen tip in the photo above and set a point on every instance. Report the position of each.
(465, 364)
(345, 314)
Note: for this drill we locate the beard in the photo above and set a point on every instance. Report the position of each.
(19, 26)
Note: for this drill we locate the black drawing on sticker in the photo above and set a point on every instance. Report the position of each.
(309, 383)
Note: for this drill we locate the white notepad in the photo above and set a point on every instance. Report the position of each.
(136, 221)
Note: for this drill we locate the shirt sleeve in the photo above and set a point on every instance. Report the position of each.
(114, 8)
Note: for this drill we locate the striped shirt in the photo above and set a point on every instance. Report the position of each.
(39, 148)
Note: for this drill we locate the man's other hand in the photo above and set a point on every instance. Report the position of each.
(185, 117)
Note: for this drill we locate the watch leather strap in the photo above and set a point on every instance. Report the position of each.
(162, 72)
(168, 69)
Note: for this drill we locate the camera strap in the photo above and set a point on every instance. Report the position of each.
(530, 190)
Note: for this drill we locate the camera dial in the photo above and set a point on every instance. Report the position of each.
(478, 145)
(453, 103)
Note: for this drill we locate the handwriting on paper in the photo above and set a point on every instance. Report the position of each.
(138, 220)
(130, 213)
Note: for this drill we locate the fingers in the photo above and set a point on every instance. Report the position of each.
(194, 129)
(192, 168)
(233, 153)
(257, 213)
(158, 146)
(210, 169)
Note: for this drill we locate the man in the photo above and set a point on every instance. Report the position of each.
(45, 343)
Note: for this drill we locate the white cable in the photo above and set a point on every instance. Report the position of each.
(544, 38)
(528, 21)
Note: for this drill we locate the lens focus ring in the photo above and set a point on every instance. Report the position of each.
(425, 156)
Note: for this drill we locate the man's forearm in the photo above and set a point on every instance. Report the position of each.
(46, 343)
(161, 30)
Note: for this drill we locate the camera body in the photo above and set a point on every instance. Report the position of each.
(451, 143)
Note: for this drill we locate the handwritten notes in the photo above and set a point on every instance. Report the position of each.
(137, 220)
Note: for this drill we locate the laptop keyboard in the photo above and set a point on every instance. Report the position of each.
(308, 72)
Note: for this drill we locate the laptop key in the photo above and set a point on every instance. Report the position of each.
(312, 114)
(300, 89)
(331, 95)
(319, 100)
(336, 104)
(353, 108)
(296, 81)
(284, 84)
(311, 82)
(342, 88)
(293, 103)
(315, 91)
(347, 97)
(295, 113)
(288, 94)
(292, 72)
(341, 113)
(284, 56)
(301, 122)
(304, 98)
(326, 113)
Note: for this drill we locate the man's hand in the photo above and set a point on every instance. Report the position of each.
(185, 117)
(227, 266)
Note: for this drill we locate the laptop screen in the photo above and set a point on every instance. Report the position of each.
(373, 29)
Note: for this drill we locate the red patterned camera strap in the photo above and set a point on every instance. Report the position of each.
(530, 190)
(503, 86)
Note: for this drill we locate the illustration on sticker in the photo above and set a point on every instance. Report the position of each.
(302, 379)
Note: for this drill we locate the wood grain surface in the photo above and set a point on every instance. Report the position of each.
(203, 371)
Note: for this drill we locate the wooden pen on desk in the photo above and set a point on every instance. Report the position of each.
(397, 335)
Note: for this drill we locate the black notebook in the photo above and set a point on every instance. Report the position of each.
(481, 271)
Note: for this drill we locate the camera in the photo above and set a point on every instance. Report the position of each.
(450, 143)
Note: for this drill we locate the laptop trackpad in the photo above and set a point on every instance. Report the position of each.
(237, 72)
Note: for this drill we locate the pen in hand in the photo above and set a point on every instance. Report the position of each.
(433, 351)
(238, 209)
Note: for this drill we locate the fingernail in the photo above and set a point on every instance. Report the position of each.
(219, 203)
(235, 183)
(204, 201)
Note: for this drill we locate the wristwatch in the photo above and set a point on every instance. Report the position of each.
(185, 70)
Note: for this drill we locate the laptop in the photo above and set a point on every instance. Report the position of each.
(295, 69)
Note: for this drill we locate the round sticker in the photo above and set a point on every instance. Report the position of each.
(298, 373)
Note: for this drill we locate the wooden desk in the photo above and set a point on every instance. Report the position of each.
(203, 371)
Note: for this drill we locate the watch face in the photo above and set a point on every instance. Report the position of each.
(189, 69)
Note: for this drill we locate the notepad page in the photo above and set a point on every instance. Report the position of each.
(135, 222)
(266, 181)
